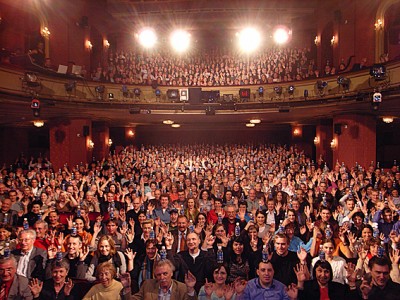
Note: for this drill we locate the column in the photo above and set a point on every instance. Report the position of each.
(322, 140)
(101, 139)
(71, 143)
(354, 139)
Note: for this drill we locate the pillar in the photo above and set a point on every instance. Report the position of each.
(101, 139)
(354, 138)
(322, 140)
(70, 142)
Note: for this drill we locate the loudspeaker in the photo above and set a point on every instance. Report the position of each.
(85, 130)
(194, 95)
(337, 128)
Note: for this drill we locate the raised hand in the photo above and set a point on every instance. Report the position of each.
(190, 280)
(351, 273)
(130, 254)
(300, 271)
(208, 288)
(36, 287)
(169, 240)
(292, 291)
(70, 222)
(68, 286)
(239, 285)
(83, 253)
(229, 290)
(302, 254)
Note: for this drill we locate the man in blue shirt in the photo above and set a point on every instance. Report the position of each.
(266, 287)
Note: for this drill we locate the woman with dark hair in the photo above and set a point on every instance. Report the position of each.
(238, 260)
(218, 289)
(205, 203)
(323, 286)
(200, 225)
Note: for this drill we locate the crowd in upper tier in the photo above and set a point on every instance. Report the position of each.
(206, 221)
(217, 67)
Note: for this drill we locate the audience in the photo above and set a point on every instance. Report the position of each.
(214, 216)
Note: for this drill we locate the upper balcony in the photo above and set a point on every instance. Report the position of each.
(300, 102)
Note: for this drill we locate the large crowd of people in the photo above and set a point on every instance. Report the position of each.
(199, 222)
(217, 67)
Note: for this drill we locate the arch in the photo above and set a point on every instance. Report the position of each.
(380, 34)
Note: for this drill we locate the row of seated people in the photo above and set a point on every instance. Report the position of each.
(217, 67)
(210, 210)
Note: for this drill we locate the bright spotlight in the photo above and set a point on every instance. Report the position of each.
(281, 35)
(180, 40)
(249, 39)
(147, 38)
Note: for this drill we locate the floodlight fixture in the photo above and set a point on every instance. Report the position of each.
(261, 91)
(291, 89)
(344, 82)
(249, 39)
(281, 35)
(147, 38)
(180, 40)
(278, 90)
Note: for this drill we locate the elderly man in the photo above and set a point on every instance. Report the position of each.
(163, 286)
(31, 260)
(12, 285)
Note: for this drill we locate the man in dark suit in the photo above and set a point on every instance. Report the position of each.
(12, 285)
(180, 235)
(31, 261)
(163, 284)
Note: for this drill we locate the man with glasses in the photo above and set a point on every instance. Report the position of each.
(13, 285)
(230, 220)
(31, 261)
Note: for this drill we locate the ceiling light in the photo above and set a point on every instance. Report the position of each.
(255, 121)
(250, 125)
(176, 125)
(168, 122)
(387, 120)
(38, 123)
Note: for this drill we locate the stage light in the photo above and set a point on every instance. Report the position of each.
(100, 89)
(321, 84)
(110, 96)
(378, 71)
(180, 40)
(173, 94)
(176, 125)
(31, 79)
(344, 82)
(70, 86)
(157, 92)
(250, 125)
(261, 91)
(281, 35)
(255, 121)
(137, 92)
(168, 122)
(35, 106)
(249, 39)
(147, 38)
(125, 91)
(278, 90)
(291, 89)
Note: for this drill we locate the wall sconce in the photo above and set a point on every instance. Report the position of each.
(296, 132)
(333, 40)
(45, 32)
(334, 144)
(88, 45)
(106, 44)
(110, 142)
(378, 24)
(316, 140)
(317, 40)
(131, 133)
(387, 120)
(90, 144)
(38, 123)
